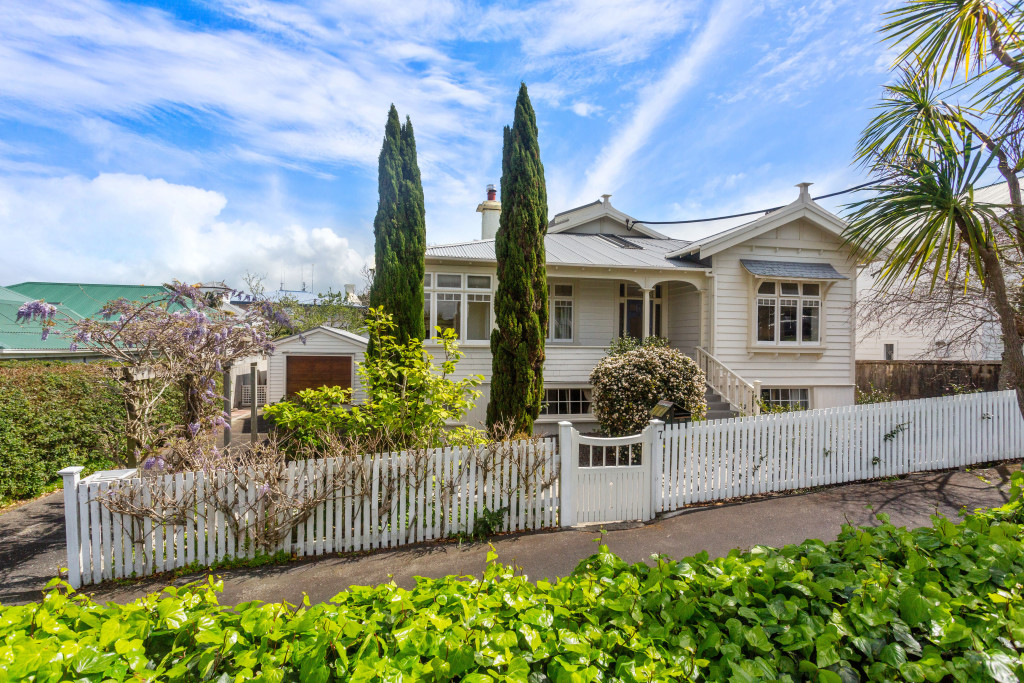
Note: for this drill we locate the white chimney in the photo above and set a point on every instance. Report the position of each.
(805, 192)
(491, 210)
(350, 293)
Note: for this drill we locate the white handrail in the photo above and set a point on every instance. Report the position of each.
(741, 394)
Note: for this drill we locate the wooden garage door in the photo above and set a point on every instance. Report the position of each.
(313, 372)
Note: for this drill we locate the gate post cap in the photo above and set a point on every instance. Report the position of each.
(71, 471)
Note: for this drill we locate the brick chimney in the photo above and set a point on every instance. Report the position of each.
(491, 211)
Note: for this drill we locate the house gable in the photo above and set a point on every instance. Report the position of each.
(786, 222)
(600, 218)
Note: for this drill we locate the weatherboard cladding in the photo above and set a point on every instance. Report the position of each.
(793, 270)
(581, 250)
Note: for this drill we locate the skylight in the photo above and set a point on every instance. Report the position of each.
(619, 241)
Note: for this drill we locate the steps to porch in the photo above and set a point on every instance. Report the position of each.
(718, 407)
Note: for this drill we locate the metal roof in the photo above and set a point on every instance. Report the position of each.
(793, 270)
(581, 250)
(86, 300)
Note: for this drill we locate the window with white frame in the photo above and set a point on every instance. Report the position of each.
(560, 312)
(786, 398)
(788, 313)
(574, 401)
(462, 304)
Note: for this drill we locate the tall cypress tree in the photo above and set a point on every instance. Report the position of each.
(521, 301)
(399, 230)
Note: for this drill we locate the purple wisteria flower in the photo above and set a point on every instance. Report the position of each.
(36, 309)
(153, 464)
(193, 428)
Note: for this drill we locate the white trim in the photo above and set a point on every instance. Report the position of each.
(713, 244)
(333, 331)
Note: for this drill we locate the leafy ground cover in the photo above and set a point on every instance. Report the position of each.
(939, 603)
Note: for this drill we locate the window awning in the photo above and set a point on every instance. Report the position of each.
(792, 270)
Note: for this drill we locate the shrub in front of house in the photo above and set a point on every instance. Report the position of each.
(53, 415)
(883, 603)
(634, 377)
(410, 398)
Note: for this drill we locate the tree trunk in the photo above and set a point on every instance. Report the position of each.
(1013, 348)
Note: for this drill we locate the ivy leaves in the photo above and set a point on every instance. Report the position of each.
(942, 603)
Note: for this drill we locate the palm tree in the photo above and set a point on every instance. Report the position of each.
(954, 112)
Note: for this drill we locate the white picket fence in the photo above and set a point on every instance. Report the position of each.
(402, 500)
(384, 501)
(722, 459)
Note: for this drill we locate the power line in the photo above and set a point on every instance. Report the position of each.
(758, 212)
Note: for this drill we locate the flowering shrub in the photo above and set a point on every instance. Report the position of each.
(177, 341)
(628, 384)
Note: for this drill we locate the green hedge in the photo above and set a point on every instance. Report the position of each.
(53, 415)
(880, 603)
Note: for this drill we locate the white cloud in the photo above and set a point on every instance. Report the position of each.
(133, 229)
(656, 101)
(585, 109)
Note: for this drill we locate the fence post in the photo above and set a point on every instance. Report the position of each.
(756, 408)
(656, 459)
(567, 476)
(71, 524)
(253, 417)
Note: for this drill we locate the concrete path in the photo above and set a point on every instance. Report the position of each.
(774, 521)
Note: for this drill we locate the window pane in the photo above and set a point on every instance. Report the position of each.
(426, 280)
(788, 399)
(633, 291)
(451, 281)
(562, 319)
(812, 290)
(811, 313)
(790, 288)
(478, 281)
(449, 312)
(787, 320)
(635, 318)
(622, 320)
(657, 291)
(566, 402)
(428, 330)
(478, 317)
(562, 290)
(766, 288)
(766, 320)
(889, 351)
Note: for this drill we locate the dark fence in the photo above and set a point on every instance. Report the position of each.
(909, 379)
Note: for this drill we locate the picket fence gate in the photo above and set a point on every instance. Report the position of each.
(376, 501)
(576, 479)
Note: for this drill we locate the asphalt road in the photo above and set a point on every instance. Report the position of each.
(31, 539)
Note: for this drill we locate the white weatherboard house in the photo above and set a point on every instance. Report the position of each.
(763, 307)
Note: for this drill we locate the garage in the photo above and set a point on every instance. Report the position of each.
(321, 357)
(313, 372)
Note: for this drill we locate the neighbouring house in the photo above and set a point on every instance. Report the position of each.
(763, 307)
(23, 340)
(903, 339)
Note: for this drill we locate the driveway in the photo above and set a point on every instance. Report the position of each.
(773, 521)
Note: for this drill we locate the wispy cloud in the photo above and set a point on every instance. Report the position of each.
(656, 101)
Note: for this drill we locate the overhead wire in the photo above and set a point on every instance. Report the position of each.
(754, 213)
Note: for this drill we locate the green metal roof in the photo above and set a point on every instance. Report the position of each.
(84, 299)
(72, 299)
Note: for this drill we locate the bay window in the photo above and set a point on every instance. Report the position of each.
(788, 313)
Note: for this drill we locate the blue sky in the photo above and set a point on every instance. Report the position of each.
(141, 141)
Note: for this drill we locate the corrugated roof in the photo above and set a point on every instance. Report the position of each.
(581, 250)
(84, 299)
(793, 269)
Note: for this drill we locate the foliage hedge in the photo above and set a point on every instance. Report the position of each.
(880, 604)
(53, 415)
